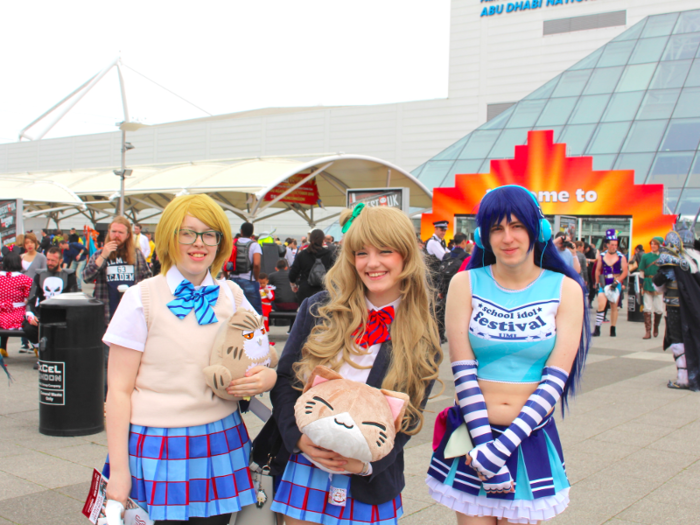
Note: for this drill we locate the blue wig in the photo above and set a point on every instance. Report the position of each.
(510, 201)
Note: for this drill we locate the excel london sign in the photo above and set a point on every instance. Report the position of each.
(497, 7)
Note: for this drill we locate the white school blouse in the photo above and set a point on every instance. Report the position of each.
(128, 326)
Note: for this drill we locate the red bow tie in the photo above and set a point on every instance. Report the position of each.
(377, 328)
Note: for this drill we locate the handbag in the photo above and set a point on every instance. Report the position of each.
(261, 512)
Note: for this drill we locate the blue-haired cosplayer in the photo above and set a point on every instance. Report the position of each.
(510, 471)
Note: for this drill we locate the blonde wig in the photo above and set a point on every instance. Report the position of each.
(200, 207)
(125, 251)
(416, 353)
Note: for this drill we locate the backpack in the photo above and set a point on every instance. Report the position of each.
(241, 264)
(317, 274)
(448, 268)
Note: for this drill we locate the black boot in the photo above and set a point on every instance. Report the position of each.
(612, 332)
(596, 332)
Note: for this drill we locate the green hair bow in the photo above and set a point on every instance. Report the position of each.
(355, 213)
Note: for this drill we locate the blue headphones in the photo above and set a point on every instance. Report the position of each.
(545, 233)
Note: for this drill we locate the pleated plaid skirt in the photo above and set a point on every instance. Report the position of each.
(303, 494)
(537, 467)
(200, 471)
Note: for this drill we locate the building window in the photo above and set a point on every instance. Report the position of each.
(493, 110)
(581, 23)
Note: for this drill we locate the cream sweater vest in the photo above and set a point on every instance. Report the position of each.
(170, 391)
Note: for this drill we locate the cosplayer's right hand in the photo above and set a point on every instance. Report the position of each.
(119, 487)
(329, 459)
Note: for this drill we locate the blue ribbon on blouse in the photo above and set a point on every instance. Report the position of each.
(202, 300)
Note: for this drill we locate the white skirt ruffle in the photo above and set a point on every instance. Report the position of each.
(515, 511)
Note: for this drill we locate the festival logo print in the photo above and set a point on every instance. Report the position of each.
(530, 322)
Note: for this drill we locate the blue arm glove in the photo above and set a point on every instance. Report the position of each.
(488, 458)
(472, 406)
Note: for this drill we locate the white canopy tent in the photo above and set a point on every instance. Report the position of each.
(40, 197)
(239, 185)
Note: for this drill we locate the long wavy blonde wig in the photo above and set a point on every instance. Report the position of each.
(416, 353)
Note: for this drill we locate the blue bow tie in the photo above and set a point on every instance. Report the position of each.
(202, 300)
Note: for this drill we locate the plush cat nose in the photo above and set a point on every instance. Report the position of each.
(345, 420)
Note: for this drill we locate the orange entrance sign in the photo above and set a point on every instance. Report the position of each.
(563, 185)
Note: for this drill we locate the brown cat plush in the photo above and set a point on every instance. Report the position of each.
(348, 417)
(240, 344)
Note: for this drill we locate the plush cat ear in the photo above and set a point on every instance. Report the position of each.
(321, 374)
(398, 401)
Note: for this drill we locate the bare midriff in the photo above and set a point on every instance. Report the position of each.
(504, 401)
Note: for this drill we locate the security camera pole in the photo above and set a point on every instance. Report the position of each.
(123, 172)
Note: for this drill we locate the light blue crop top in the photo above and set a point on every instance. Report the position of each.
(512, 332)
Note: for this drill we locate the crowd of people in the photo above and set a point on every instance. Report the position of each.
(375, 308)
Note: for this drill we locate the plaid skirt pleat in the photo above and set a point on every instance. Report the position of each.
(537, 467)
(303, 494)
(200, 471)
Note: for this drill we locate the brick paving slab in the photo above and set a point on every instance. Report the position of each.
(631, 445)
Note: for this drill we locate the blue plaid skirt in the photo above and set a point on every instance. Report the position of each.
(303, 494)
(178, 473)
(537, 467)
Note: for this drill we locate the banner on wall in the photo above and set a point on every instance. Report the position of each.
(11, 223)
(563, 186)
(306, 194)
(391, 197)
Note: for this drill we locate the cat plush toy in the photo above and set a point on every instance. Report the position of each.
(241, 344)
(351, 418)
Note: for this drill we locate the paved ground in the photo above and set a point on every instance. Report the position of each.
(632, 446)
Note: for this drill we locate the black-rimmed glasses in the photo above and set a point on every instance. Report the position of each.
(210, 238)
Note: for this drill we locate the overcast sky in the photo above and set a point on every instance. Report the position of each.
(223, 56)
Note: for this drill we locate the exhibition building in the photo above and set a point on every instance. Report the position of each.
(615, 80)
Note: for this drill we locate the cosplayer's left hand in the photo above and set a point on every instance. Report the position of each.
(501, 483)
(257, 380)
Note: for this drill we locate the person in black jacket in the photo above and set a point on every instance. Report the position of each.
(378, 286)
(304, 261)
(285, 298)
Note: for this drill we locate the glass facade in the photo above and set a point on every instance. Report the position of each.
(632, 104)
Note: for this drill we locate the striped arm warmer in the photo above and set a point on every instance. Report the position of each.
(472, 406)
(471, 401)
(488, 458)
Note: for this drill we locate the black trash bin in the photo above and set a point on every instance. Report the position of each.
(71, 366)
(635, 299)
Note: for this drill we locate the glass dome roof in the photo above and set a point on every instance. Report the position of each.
(632, 104)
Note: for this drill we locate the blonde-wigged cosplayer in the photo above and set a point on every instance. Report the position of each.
(200, 207)
(416, 353)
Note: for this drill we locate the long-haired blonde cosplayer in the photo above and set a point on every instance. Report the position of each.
(200, 207)
(416, 351)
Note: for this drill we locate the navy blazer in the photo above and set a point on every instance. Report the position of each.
(387, 480)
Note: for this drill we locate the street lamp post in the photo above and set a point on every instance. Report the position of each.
(126, 146)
